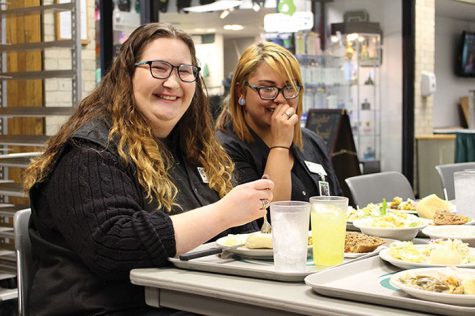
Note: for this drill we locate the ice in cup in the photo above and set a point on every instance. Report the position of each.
(290, 220)
(328, 216)
(464, 184)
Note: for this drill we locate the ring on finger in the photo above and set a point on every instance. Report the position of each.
(289, 115)
(264, 204)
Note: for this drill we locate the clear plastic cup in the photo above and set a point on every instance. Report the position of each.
(464, 186)
(290, 220)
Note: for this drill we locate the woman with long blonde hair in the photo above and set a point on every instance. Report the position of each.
(259, 127)
(134, 177)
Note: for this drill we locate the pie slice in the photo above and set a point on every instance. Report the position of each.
(359, 243)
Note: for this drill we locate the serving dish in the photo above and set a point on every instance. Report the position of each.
(255, 253)
(405, 264)
(456, 299)
(399, 233)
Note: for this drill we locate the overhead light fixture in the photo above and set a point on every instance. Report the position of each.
(215, 6)
(233, 27)
(224, 14)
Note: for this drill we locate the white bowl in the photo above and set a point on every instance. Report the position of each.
(466, 233)
(400, 233)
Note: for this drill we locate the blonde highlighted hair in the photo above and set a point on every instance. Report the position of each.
(280, 60)
(113, 99)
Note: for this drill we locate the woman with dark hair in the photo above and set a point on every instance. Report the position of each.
(134, 177)
(259, 127)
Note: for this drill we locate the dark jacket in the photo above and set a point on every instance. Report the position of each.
(91, 224)
(250, 161)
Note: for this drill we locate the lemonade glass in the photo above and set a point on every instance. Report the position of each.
(328, 218)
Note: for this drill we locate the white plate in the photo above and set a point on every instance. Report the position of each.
(466, 233)
(455, 299)
(402, 233)
(257, 253)
(384, 254)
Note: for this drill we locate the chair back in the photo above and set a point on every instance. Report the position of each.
(24, 258)
(446, 174)
(374, 187)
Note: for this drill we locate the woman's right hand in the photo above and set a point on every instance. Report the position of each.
(245, 202)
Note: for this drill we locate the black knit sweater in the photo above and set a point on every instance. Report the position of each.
(91, 224)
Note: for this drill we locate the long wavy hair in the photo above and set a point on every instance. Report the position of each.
(280, 60)
(113, 99)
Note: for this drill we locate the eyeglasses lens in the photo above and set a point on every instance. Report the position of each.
(271, 93)
(162, 70)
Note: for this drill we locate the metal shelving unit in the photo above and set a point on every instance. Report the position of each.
(10, 143)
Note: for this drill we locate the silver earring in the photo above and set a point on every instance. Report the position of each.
(242, 101)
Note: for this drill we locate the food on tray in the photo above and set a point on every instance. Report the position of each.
(428, 206)
(259, 240)
(449, 218)
(396, 219)
(232, 240)
(398, 204)
(469, 286)
(444, 252)
(440, 283)
(370, 210)
(357, 242)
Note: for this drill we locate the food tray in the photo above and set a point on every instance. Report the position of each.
(367, 280)
(236, 265)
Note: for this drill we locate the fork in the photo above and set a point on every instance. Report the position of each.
(266, 227)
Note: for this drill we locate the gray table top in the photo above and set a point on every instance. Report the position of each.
(205, 292)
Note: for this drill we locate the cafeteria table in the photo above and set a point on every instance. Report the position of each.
(218, 294)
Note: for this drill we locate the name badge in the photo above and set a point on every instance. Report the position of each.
(315, 168)
(324, 188)
(203, 175)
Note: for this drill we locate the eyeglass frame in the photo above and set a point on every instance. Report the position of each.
(149, 63)
(280, 90)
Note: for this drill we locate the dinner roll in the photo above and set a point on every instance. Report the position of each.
(259, 240)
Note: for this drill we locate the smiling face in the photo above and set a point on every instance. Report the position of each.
(258, 112)
(163, 102)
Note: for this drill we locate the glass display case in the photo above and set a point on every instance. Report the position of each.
(362, 62)
(344, 76)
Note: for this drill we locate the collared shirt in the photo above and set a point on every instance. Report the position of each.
(250, 161)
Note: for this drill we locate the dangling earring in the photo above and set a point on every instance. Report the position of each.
(242, 101)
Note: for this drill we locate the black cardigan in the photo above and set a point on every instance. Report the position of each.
(91, 224)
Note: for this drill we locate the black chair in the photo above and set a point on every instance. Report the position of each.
(374, 187)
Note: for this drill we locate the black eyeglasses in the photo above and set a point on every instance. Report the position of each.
(161, 69)
(271, 92)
